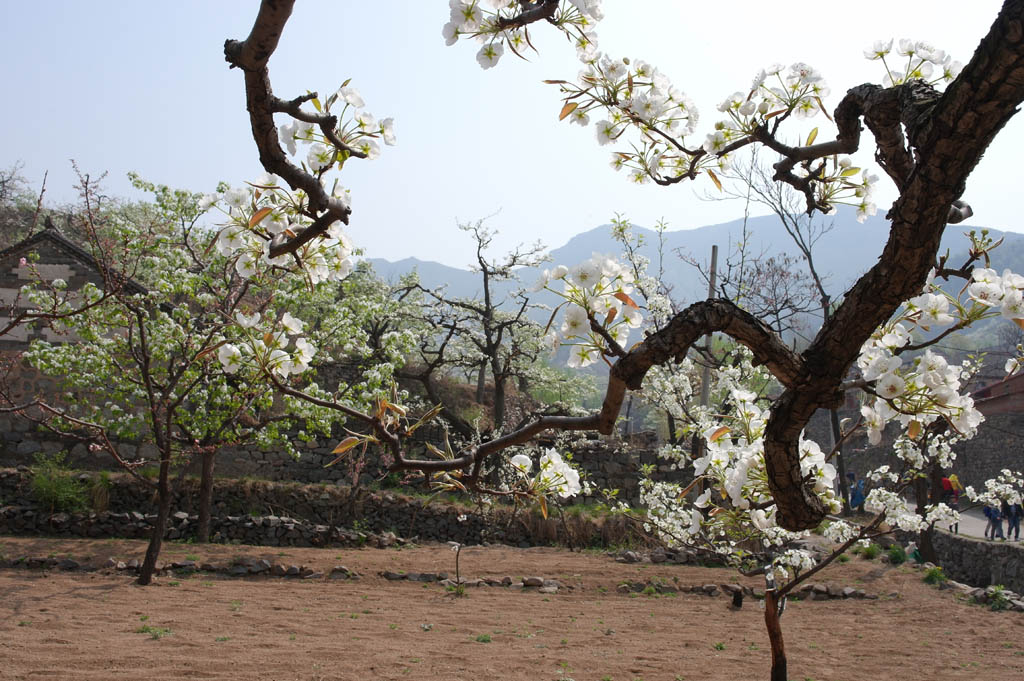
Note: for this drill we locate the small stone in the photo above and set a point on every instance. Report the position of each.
(548, 590)
(533, 581)
(392, 576)
(279, 570)
(506, 581)
(292, 571)
(238, 570)
(110, 563)
(710, 589)
(68, 564)
(552, 582)
(313, 575)
(849, 592)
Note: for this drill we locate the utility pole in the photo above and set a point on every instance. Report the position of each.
(698, 446)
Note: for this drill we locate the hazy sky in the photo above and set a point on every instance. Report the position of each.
(121, 86)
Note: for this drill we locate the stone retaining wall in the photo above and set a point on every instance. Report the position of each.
(606, 463)
(980, 562)
(289, 514)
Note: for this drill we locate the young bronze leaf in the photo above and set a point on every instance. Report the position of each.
(626, 299)
(813, 135)
(714, 178)
(717, 435)
(343, 447)
(259, 215)
(208, 351)
(567, 109)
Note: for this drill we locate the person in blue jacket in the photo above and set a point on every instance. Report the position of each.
(995, 522)
(1013, 515)
(857, 495)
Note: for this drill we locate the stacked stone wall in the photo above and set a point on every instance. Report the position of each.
(276, 514)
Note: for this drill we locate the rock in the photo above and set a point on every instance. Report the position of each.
(110, 563)
(710, 589)
(292, 571)
(238, 570)
(533, 581)
(392, 576)
(732, 588)
(422, 577)
(68, 564)
(506, 581)
(834, 591)
(819, 589)
(313, 575)
(260, 566)
(658, 556)
(279, 570)
(628, 557)
(548, 590)
(849, 592)
(552, 582)
(339, 572)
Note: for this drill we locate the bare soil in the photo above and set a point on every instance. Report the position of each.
(99, 625)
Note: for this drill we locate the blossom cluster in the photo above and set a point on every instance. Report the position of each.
(269, 349)
(555, 475)
(1008, 486)
(487, 22)
(736, 505)
(357, 130)
(596, 292)
(923, 61)
(260, 215)
(925, 388)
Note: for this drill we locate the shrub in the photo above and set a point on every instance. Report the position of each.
(997, 599)
(871, 551)
(897, 554)
(934, 575)
(54, 485)
(99, 492)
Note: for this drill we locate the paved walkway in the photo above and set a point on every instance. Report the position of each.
(972, 523)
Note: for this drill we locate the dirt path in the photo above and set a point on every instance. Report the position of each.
(74, 625)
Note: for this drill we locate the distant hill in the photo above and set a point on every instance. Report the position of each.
(842, 256)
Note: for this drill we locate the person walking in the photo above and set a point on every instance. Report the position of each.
(954, 501)
(1013, 515)
(995, 522)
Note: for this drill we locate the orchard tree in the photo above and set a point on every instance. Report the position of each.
(162, 363)
(492, 332)
(926, 140)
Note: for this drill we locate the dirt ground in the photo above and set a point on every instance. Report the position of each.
(99, 625)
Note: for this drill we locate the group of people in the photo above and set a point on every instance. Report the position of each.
(952, 489)
(1011, 513)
